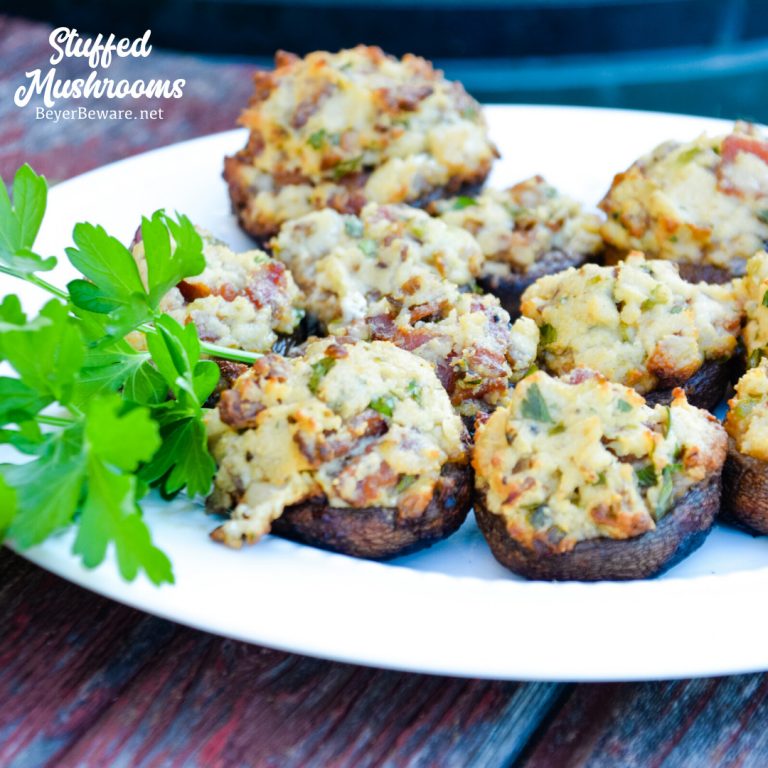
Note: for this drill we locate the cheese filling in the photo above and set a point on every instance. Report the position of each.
(518, 227)
(335, 129)
(747, 419)
(240, 300)
(360, 424)
(638, 323)
(398, 275)
(580, 458)
(701, 202)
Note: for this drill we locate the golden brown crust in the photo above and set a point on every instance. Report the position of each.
(338, 130)
(680, 532)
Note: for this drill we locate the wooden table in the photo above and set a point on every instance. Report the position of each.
(85, 681)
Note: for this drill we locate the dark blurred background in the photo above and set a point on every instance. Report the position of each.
(697, 56)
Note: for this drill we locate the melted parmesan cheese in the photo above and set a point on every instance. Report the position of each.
(580, 458)
(702, 202)
(362, 424)
(747, 419)
(240, 300)
(519, 226)
(331, 130)
(638, 323)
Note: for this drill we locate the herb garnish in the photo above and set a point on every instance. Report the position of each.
(126, 419)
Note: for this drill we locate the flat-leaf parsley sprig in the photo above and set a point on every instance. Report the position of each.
(101, 419)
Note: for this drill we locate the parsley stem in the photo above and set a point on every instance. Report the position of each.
(54, 421)
(214, 350)
(39, 282)
(238, 355)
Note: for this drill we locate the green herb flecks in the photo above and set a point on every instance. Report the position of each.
(353, 226)
(462, 202)
(534, 406)
(385, 405)
(319, 371)
(547, 335)
(646, 476)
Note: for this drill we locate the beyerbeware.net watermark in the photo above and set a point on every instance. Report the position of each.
(99, 53)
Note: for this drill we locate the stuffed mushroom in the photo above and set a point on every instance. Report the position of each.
(395, 274)
(745, 477)
(353, 447)
(341, 129)
(639, 324)
(580, 479)
(245, 301)
(526, 231)
(701, 204)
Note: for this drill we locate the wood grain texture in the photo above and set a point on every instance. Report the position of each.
(85, 681)
(711, 722)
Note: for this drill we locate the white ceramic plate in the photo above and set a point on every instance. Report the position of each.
(451, 609)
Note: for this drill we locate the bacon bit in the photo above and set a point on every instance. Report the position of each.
(446, 373)
(428, 309)
(517, 490)
(579, 375)
(271, 367)
(309, 106)
(267, 289)
(230, 371)
(405, 98)
(192, 291)
(239, 413)
(288, 177)
(368, 488)
(382, 327)
(318, 449)
(734, 144)
(228, 292)
(410, 340)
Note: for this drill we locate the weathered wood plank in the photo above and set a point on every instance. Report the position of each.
(703, 722)
(87, 682)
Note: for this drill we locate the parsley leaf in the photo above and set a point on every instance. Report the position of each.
(20, 223)
(462, 202)
(534, 406)
(548, 334)
(385, 405)
(319, 370)
(646, 476)
(624, 406)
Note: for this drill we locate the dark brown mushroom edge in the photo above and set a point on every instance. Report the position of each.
(309, 150)
(525, 231)
(396, 274)
(699, 204)
(745, 476)
(640, 324)
(353, 446)
(693, 273)
(579, 479)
